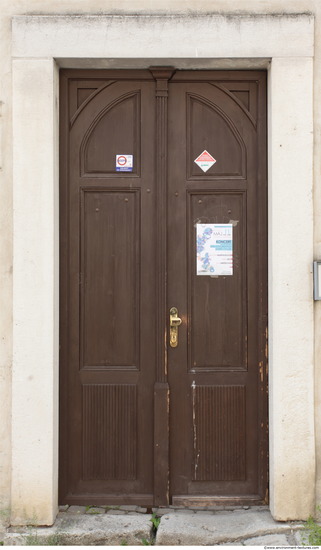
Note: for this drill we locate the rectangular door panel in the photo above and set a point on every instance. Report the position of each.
(219, 439)
(110, 431)
(110, 271)
(218, 305)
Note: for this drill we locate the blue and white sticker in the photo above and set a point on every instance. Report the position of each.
(124, 163)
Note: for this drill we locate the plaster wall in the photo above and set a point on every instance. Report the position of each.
(292, 469)
(29, 450)
(35, 299)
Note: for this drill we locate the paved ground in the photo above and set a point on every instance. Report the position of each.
(132, 525)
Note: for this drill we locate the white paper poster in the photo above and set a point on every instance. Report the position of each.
(214, 249)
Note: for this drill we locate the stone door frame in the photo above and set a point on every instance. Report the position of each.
(283, 44)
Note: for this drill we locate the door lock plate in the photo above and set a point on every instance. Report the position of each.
(174, 322)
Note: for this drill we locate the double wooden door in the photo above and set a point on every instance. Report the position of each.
(162, 206)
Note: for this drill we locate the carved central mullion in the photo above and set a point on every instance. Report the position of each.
(162, 77)
(161, 388)
(161, 179)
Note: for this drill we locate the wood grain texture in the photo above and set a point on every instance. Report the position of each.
(219, 433)
(218, 331)
(110, 431)
(110, 269)
(177, 419)
(218, 449)
(208, 127)
(101, 145)
(161, 388)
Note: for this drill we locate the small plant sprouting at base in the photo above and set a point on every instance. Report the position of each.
(52, 540)
(312, 533)
(155, 521)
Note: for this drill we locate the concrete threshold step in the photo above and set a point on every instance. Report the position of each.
(239, 527)
(179, 528)
(85, 530)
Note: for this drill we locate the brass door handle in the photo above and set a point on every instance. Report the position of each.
(174, 322)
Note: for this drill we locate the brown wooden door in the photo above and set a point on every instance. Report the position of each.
(138, 416)
(216, 372)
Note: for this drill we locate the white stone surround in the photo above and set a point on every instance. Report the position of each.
(284, 45)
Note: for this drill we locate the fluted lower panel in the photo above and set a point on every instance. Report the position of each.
(109, 435)
(219, 433)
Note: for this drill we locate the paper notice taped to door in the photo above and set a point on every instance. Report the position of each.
(214, 249)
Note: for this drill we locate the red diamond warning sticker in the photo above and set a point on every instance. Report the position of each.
(205, 161)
